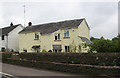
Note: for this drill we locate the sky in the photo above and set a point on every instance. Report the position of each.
(102, 17)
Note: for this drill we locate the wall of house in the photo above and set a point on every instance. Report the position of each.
(3, 43)
(83, 30)
(46, 42)
(26, 41)
(13, 38)
(67, 41)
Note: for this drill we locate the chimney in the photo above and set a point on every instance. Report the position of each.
(11, 24)
(30, 24)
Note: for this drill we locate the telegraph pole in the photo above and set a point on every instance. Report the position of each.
(24, 15)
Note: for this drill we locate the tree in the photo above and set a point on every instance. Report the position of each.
(105, 45)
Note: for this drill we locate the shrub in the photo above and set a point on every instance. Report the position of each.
(44, 50)
(50, 51)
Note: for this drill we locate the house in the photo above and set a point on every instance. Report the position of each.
(9, 37)
(64, 36)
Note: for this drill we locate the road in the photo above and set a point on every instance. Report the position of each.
(18, 71)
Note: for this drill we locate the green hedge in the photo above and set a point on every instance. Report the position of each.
(76, 58)
(6, 55)
(67, 68)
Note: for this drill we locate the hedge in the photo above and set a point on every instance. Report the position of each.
(6, 55)
(114, 72)
(108, 59)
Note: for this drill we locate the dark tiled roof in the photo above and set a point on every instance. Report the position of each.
(6, 30)
(85, 39)
(52, 27)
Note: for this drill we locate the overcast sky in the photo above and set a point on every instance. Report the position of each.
(102, 17)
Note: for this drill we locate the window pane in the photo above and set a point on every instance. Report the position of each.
(58, 36)
(64, 34)
(67, 33)
(55, 37)
(36, 36)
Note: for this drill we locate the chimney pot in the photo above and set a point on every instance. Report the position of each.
(30, 24)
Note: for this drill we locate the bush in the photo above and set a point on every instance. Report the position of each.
(77, 58)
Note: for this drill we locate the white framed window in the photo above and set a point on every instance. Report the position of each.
(57, 36)
(66, 33)
(36, 36)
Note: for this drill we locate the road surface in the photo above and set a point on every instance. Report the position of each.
(24, 72)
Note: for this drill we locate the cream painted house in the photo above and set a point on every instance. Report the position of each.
(64, 36)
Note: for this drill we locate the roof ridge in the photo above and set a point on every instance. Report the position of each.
(53, 26)
(57, 22)
(11, 26)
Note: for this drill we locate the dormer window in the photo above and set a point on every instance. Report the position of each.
(36, 36)
(57, 36)
(66, 33)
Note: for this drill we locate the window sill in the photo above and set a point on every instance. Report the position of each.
(66, 37)
(57, 40)
(36, 39)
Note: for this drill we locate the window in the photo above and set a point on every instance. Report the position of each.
(36, 36)
(57, 48)
(67, 49)
(57, 36)
(2, 37)
(66, 33)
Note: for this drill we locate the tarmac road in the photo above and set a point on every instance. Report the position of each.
(14, 71)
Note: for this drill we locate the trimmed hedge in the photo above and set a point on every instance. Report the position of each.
(108, 59)
(6, 55)
(67, 68)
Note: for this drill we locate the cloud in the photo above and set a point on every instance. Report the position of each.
(101, 16)
(107, 29)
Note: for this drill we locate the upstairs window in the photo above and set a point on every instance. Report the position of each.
(57, 36)
(66, 33)
(2, 37)
(36, 36)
